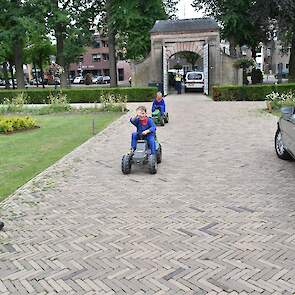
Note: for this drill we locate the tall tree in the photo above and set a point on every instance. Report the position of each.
(65, 18)
(127, 24)
(243, 22)
(285, 14)
(13, 33)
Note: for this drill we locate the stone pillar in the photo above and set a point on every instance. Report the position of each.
(156, 65)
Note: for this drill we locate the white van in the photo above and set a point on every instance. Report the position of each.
(194, 80)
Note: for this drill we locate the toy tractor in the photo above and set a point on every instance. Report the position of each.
(142, 156)
(160, 119)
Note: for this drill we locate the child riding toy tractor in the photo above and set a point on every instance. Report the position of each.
(142, 156)
(158, 118)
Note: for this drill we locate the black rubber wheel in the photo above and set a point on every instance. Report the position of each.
(126, 164)
(159, 154)
(1, 225)
(162, 121)
(152, 163)
(282, 153)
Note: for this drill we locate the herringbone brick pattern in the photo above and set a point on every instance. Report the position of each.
(218, 218)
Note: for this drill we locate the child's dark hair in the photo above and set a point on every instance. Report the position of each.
(141, 108)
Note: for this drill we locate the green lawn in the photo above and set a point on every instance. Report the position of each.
(23, 155)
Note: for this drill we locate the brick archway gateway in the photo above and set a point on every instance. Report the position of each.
(168, 37)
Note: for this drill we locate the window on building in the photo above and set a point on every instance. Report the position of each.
(96, 57)
(96, 44)
(121, 74)
(105, 56)
(287, 66)
(104, 43)
(106, 72)
(81, 58)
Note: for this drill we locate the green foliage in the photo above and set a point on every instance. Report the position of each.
(132, 20)
(244, 63)
(191, 57)
(82, 95)
(243, 22)
(114, 103)
(178, 66)
(14, 104)
(279, 100)
(256, 76)
(248, 93)
(10, 124)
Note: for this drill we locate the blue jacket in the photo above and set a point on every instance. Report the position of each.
(159, 104)
(140, 128)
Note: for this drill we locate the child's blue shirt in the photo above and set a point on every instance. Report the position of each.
(159, 104)
(140, 128)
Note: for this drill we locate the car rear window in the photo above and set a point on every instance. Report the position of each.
(194, 76)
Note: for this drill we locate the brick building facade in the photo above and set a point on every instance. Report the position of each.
(95, 60)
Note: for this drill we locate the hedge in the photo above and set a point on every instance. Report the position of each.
(82, 95)
(249, 93)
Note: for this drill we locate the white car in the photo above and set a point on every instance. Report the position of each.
(194, 80)
(78, 80)
(97, 79)
(106, 80)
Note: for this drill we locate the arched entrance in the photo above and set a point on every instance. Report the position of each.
(173, 50)
(169, 37)
(193, 35)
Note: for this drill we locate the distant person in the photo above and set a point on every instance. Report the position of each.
(178, 83)
(130, 81)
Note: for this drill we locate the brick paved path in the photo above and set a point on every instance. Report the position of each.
(218, 220)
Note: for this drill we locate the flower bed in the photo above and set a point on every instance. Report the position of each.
(275, 100)
(9, 124)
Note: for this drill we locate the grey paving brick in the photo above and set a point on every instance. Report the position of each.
(218, 218)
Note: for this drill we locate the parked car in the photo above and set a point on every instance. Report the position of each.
(285, 74)
(194, 81)
(285, 134)
(97, 79)
(34, 81)
(79, 80)
(106, 80)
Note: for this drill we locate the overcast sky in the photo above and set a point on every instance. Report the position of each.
(185, 10)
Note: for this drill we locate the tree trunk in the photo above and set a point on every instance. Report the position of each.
(113, 59)
(11, 73)
(60, 58)
(232, 48)
(5, 72)
(292, 60)
(35, 70)
(42, 74)
(254, 53)
(18, 61)
(112, 46)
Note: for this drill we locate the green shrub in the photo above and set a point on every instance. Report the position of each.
(256, 76)
(15, 104)
(250, 93)
(82, 95)
(10, 124)
(112, 103)
(279, 100)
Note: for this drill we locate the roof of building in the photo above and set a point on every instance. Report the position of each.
(185, 25)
